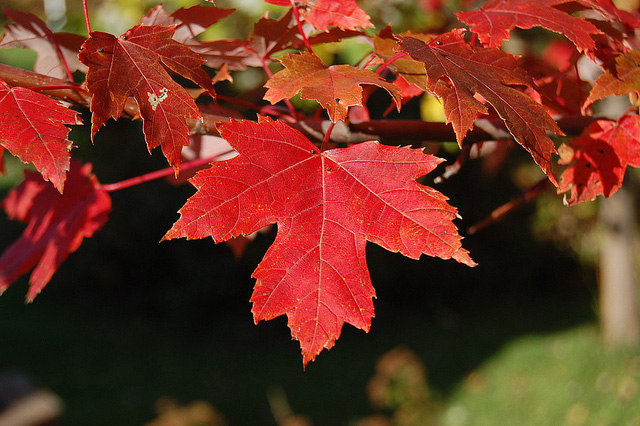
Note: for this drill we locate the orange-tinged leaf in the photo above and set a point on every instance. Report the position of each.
(56, 224)
(336, 88)
(32, 127)
(135, 64)
(327, 206)
(458, 72)
(495, 20)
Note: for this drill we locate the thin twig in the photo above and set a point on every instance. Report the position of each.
(85, 9)
(127, 183)
(502, 211)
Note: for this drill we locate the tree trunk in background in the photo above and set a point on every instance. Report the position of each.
(619, 320)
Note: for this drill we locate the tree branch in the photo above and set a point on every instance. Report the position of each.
(383, 130)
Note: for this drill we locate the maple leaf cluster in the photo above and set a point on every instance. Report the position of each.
(326, 199)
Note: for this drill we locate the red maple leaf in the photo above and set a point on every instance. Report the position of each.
(336, 88)
(327, 206)
(32, 127)
(457, 72)
(622, 79)
(56, 224)
(600, 156)
(493, 22)
(135, 64)
(56, 51)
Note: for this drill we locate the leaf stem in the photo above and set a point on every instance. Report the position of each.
(498, 214)
(296, 13)
(86, 16)
(327, 137)
(127, 183)
(389, 62)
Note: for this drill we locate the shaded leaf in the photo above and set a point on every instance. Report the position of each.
(56, 51)
(336, 88)
(234, 53)
(458, 72)
(599, 158)
(56, 224)
(327, 205)
(386, 47)
(32, 127)
(135, 64)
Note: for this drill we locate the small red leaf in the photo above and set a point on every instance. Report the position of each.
(32, 127)
(600, 156)
(135, 64)
(336, 88)
(327, 206)
(56, 224)
(344, 14)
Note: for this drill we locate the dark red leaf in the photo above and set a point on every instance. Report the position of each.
(327, 205)
(32, 127)
(56, 224)
(135, 64)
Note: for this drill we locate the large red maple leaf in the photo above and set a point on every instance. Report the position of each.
(135, 64)
(493, 22)
(56, 224)
(458, 72)
(336, 88)
(599, 159)
(32, 127)
(327, 206)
